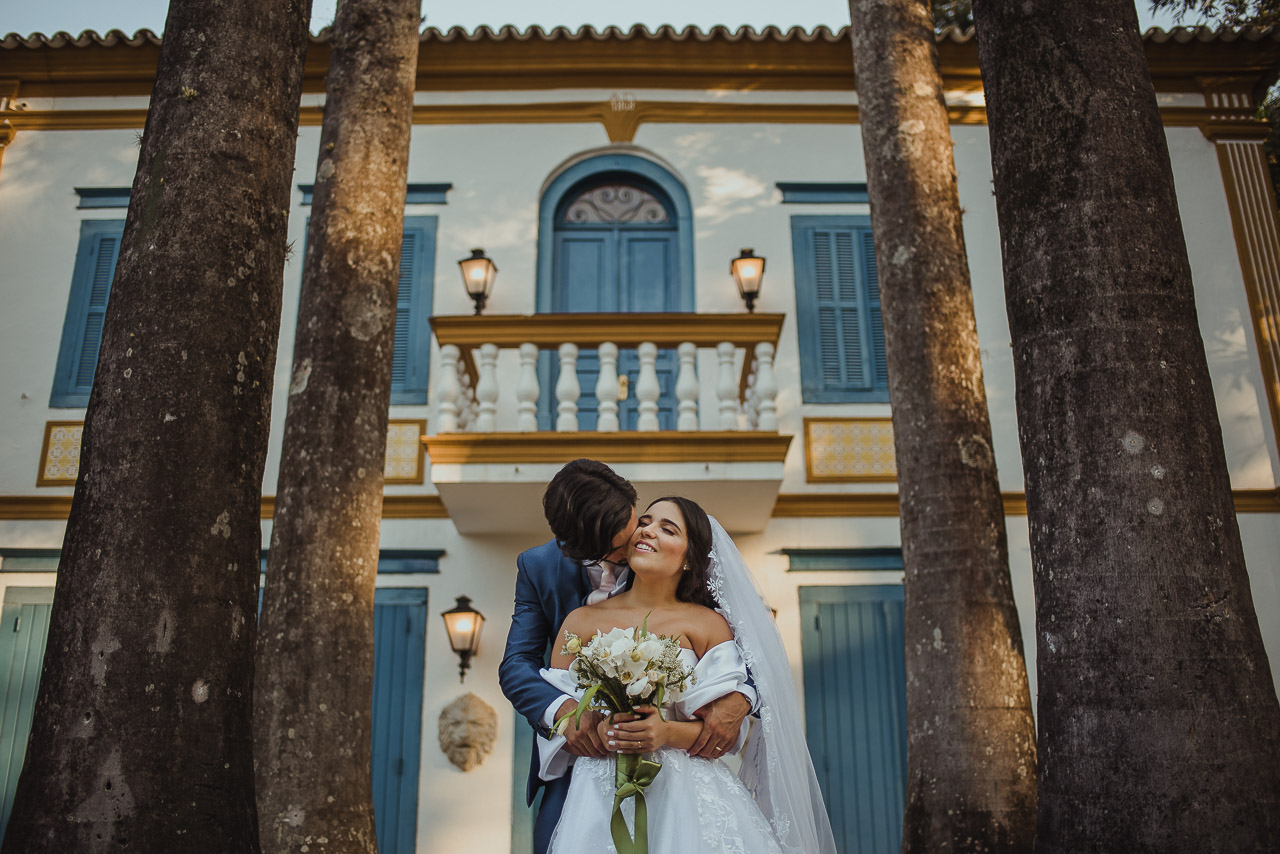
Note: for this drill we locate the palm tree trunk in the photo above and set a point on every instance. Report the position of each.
(141, 734)
(971, 752)
(1159, 726)
(315, 652)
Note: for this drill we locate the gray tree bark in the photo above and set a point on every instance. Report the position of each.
(141, 735)
(1159, 726)
(971, 753)
(315, 651)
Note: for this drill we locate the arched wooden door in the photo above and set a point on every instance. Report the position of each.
(615, 247)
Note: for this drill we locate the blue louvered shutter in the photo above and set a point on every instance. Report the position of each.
(838, 300)
(399, 649)
(852, 643)
(24, 629)
(86, 311)
(875, 323)
(413, 306)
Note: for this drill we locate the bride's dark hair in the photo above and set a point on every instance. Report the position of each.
(697, 531)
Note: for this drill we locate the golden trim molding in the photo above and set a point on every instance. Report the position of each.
(665, 329)
(866, 504)
(622, 123)
(788, 506)
(632, 447)
(393, 507)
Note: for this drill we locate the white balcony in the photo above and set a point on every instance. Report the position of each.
(721, 447)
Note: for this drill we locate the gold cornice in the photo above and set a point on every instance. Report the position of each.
(665, 329)
(789, 505)
(393, 507)
(488, 61)
(58, 507)
(858, 504)
(621, 124)
(662, 447)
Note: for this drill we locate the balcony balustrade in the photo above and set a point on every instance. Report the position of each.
(724, 449)
(469, 388)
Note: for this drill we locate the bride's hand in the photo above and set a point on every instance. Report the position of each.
(643, 732)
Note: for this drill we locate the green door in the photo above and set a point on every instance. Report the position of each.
(24, 628)
(855, 693)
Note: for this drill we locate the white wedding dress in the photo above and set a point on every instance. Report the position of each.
(695, 805)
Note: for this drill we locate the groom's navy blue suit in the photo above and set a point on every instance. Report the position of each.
(548, 586)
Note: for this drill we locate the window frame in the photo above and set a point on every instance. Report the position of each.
(813, 389)
(65, 394)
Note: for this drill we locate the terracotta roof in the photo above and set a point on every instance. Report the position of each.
(111, 38)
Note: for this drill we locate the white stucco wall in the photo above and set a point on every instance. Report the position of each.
(497, 172)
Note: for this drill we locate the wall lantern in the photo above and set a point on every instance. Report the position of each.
(478, 273)
(748, 272)
(463, 623)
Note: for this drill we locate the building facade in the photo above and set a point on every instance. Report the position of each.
(612, 177)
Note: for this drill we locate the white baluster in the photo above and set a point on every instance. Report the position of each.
(607, 389)
(466, 399)
(727, 387)
(766, 387)
(568, 390)
(487, 389)
(449, 392)
(687, 387)
(527, 389)
(647, 389)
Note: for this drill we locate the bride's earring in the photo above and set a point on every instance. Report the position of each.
(685, 568)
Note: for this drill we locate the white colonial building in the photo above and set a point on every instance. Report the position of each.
(612, 177)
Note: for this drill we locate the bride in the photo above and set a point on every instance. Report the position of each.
(691, 582)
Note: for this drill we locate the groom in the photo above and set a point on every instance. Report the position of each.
(591, 511)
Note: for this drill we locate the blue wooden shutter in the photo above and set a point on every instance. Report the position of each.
(855, 710)
(24, 629)
(875, 322)
(842, 354)
(95, 267)
(399, 648)
(413, 307)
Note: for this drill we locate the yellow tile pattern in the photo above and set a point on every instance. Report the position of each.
(404, 451)
(849, 449)
(60, 458)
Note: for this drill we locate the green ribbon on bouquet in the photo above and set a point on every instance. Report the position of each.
(633, 775)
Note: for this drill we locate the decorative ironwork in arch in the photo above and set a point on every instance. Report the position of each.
(616, 203)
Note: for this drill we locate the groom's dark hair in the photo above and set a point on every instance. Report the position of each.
(587, 504)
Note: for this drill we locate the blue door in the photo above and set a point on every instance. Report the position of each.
(24, 627)
(399, 653)
(614, 251)
(855, 693)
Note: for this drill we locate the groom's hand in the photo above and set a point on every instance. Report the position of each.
(721, 720)
(583, 740)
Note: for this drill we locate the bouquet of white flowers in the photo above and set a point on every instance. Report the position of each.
(621, 670)
(626, 668)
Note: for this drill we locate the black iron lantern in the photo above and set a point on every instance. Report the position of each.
(478, 273)
(463, 624)
(748, 273)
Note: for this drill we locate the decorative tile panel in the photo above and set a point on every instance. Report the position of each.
(405, 451)
(847, 450)
(60, 453)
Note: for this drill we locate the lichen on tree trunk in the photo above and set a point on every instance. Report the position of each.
(971, 753)
(1159, 726)
(315, 653)
(141, 732)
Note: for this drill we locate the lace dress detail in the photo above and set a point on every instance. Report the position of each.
(695, 805)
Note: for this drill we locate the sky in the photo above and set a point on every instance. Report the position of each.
(49, 16)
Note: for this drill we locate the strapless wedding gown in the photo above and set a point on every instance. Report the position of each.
(695, 805)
